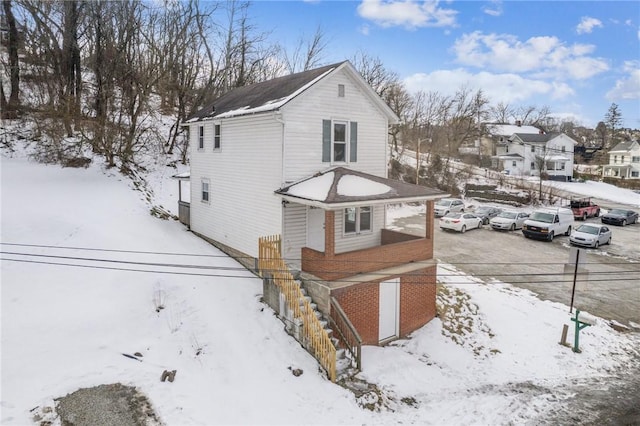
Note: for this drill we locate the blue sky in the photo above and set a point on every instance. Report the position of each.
(577, 57)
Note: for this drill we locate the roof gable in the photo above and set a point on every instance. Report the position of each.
(510, 129)
(625, 146)
(272, 94)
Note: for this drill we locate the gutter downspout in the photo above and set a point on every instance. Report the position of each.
(278, 118)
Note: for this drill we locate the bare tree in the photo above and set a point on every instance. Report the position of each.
(501, 113)
(613, 120)
(307, 54)
(10, 108)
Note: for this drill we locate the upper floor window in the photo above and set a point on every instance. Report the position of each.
(201, 137)
(533, 148)
(357, 220)
(339, 141)
(341, 90)
(533, 165)
(635, 159)
(216, 136)
(205, 190)
(615, 159)
(564, 148)
(622, 159)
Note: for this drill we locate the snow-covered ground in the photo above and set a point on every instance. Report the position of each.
(142, 284)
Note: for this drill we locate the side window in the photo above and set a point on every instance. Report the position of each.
(339, 141)
(205, 190)
(533, 148)
(216, 136)
(357, 220)
(201, 137)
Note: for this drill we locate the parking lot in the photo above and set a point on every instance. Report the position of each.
(613, 284)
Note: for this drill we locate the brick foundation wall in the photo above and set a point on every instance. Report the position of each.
(360, 303)
(417, 299)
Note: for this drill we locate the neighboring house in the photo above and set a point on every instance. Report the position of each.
(525, 154)
(305, 156)
(624, 161)
(498, 134)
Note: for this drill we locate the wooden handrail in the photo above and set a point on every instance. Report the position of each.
(347, 332)
(314, 337)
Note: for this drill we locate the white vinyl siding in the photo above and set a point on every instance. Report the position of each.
(350, 242)
(294, 234)
(303, 128)
(248, 170)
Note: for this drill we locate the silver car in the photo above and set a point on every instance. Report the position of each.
(508, 220)
(448, 205)
(590, 235)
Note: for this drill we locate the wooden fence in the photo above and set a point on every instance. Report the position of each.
(313, 335)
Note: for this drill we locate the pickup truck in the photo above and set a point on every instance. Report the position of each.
(583, 208)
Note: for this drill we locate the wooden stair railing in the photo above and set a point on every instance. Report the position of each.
(314, 337)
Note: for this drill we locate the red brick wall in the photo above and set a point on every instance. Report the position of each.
(360, 303)
(417, 299)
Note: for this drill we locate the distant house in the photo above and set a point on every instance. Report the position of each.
(498, 134)
(624, 161)
(305, 156)
(525, 154)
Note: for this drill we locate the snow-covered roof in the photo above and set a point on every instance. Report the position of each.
(510, 129)
(183, 175)
(340, 187)
(509, 157)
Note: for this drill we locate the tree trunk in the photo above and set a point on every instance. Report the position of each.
(10, 108)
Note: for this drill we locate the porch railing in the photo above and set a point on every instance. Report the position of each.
(314, 337)
(347, 333)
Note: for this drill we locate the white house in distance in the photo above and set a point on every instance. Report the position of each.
(526, 154)
(624, 161)
(498, 134)
(305, 156)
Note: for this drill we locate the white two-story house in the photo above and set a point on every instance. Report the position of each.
(624, 161)
(305, 156)
(526, 154)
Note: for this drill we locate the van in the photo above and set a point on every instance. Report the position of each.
(546, 223)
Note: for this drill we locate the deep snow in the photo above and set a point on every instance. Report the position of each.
(497, 361)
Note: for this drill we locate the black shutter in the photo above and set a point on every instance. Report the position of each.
(353, 142)
(326, 141)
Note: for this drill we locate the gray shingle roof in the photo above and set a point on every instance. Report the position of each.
(260, 94)
(536, 138)
(623, 146)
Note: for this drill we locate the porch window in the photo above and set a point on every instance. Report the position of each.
(201, 137)
(216, 136)
(205, 190)
(357, 220)
(339, 141)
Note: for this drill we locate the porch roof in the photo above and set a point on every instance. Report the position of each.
(509, 157)
(340, 187)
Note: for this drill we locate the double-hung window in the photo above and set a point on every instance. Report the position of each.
(216, 136)
(205, 190)
(339, 141)
(201, 137)
(357, 220)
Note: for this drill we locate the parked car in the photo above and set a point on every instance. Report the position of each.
(620, 217)
(487, 213)
(508, 220)
(460, 221)
(546, 223)
(583, 208)
(590, 235)
(448, 205)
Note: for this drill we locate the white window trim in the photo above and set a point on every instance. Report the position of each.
(347, 140)
(200, 138)
(358, 213)
(217, 126)
(203, 182)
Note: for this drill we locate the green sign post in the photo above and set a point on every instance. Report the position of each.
(579, 326)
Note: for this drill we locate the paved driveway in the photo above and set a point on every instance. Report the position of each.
(613, 289)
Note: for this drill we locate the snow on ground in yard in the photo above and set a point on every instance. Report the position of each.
(197, 311)
(601, 190)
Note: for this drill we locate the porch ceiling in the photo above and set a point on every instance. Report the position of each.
(340, 187)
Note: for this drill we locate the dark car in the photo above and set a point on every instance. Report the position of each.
(620, 217)
(486, 213)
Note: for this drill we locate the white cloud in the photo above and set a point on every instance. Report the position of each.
(545, 55)
(587, 24)
(629, 86)
(506, 88)
(364, 29)
(494, 8)
(407, 13)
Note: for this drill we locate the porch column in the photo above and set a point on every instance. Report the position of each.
(430, 217)
(329, 233)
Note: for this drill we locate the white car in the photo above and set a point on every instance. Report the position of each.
(460, 221)
(448, 205)
(590, 235)
(508, 220)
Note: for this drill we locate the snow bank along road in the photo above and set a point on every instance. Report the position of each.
(613, 288)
